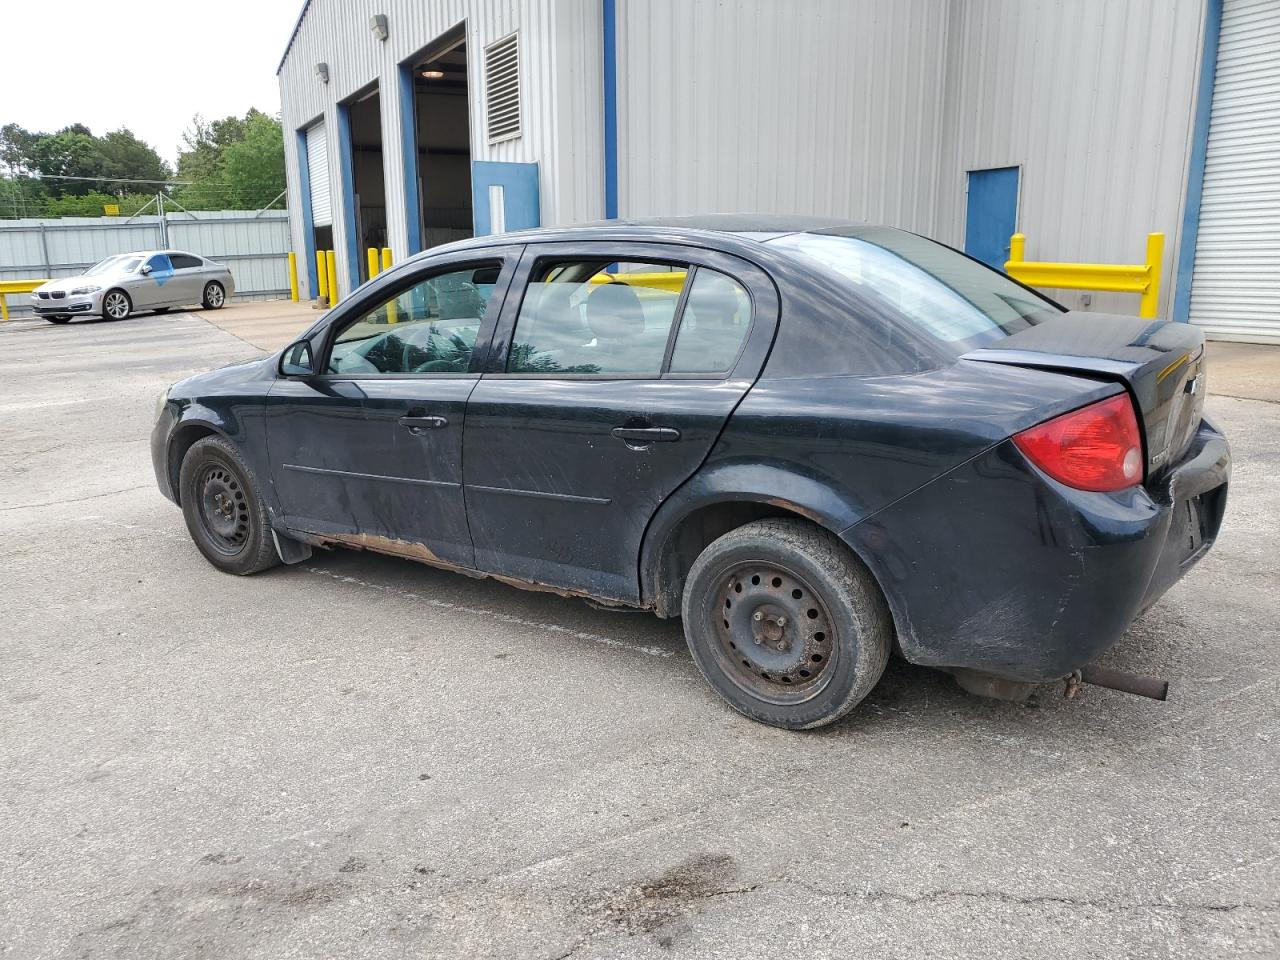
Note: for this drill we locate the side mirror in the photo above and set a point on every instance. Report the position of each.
(145, 269)
(297, 360)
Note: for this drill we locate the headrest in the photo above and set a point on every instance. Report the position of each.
(614, 312)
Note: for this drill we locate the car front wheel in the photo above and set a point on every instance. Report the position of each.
(786, 624)
(214, 295)
(116, 305)
(225, 515)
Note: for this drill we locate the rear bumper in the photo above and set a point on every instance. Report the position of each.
(999, 569)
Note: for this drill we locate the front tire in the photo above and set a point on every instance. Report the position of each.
(225, 515)
(786, 624)
(214, 295)
(116, 305)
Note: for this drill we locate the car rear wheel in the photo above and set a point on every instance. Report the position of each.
(116, 305)
(214, 295)
(225, 515)
(786, 624)
(62, 318)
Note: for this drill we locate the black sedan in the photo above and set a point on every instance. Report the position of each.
(816, 442)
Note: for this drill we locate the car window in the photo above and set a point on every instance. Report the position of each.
(181, 261)
(717, 316)
(429, 328)
(590, 316)
(159, 263)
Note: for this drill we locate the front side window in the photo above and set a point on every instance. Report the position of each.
(597, 317)
(160, 264)
(429, 328)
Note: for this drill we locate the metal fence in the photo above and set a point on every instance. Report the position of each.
(254, 246)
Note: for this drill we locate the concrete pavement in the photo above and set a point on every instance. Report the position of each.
(363, 757)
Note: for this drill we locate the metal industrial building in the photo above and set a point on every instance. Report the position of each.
(1084, 124)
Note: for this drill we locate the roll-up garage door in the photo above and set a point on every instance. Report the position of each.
(1235, 288)
(318, 174)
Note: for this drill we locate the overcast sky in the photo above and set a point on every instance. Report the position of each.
(148, 67)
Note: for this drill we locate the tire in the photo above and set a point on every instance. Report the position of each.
(116, 305)
(214, 296)
(225, 514)
(786, 624)
(59, 319)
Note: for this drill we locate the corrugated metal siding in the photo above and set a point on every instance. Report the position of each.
(1094, 99)
(337, 32)
(1235, 292)
(255, 248)
(828, 107)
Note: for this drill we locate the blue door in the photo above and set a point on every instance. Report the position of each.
(991, 215)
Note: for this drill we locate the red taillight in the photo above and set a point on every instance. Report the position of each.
(1097, 447)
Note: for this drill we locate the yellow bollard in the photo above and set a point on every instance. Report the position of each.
(372, 254)
(293, 276)
(1150, 301)
(1017, 248)
(4, 309)
(392, 306)
(331, 268)
(322, 282)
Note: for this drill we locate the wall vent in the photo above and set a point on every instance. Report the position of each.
(502, 88)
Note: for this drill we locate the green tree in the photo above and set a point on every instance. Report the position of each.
(74, 162)
(232, 163)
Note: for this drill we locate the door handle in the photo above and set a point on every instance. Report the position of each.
(421, 424)
(639, 435)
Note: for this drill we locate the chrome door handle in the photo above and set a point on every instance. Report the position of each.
(646, 434)
(419, 425)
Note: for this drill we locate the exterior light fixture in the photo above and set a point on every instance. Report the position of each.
(433, 74)
(322, 71)
(378, 24)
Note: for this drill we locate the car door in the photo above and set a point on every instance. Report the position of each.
(187, 284)
(603, 394)
(151, 286)
(369, 450)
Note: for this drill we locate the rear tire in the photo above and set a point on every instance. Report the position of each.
(786, 624)
(116, 305)
(61, 319)
(214, 295)
(225, 515)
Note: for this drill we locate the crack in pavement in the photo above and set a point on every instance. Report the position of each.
(92, 496)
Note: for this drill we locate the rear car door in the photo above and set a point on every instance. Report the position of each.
(615, 366)
(369, 451)
(187, 285)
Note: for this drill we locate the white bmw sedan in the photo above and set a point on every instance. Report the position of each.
(149, 280)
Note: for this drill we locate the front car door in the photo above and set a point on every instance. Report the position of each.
(369, 451)
(615, 366)
(151, 286)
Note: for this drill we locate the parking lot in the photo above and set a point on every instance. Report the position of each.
(363, 757)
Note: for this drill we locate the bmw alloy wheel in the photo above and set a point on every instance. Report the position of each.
(214, 296)
(116, 305)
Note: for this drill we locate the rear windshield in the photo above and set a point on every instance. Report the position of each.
(954, 300)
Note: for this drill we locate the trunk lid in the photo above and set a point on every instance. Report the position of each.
(1161, 364)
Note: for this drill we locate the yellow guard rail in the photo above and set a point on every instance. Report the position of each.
(14, 286)
(1140, 278)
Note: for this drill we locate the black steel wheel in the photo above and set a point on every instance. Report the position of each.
(786, 624)
(225, 515)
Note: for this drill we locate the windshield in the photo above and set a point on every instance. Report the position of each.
(941, 292)
(121, 263)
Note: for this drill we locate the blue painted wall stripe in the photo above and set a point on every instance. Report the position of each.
(409, 150)
(1195, 168)
(308, 223)
(347, 160)
(610, 39)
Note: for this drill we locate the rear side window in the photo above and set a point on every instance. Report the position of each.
(182, 261)
(590, 317)
(717, 316)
